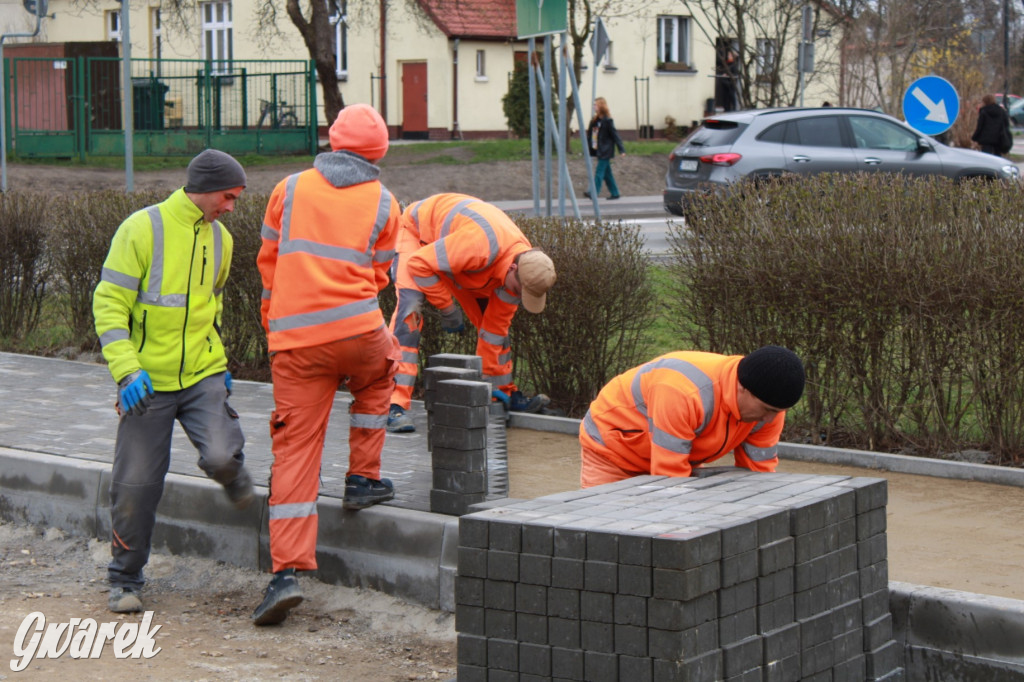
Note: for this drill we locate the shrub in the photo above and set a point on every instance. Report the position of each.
(904, 297)
(24, 269)
(597, 314)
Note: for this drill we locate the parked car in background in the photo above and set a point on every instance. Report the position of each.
(1011, 99)
(766, 143)
(1017, 113)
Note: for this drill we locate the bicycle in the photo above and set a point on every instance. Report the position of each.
(277, 115)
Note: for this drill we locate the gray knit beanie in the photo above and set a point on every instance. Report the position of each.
(212, 171)
(775, 375)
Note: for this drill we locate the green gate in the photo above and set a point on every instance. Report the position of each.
(73, 107)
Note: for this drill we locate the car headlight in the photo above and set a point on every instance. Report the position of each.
(1010, 171)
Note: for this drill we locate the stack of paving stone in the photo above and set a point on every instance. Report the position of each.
(734, 576)
(458, 411)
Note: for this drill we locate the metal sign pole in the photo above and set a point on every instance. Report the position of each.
(126, 77)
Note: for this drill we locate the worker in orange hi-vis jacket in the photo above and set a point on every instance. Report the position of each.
(454, 247)
(685, 409)
(328, 242)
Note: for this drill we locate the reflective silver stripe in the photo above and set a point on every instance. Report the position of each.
(295, 510)
(759, 454)
(339, 253)
(120, 279)
(217, 291)
(367, 421)
(675, 444)
(383, 212)
(494, 339)
(507, 296)
(265, 295)
(499, 379)
(168, 301)
(698, 378)
(341, 312)
(405, 380)
(218, 253)
(383, 256)
(426, 281)
(269, 233)
(286, 208)
(156, 267)
(114, 335)
(443, 266)
(410, 356)
(504, 357)
(590, 428)
(456, 211)
(492, 237)
(757, 427)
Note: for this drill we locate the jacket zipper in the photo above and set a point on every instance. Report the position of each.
(188, 292)
(143, 343)
(202, 274)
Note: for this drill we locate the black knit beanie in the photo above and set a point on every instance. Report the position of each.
(212, 171)
(775, 375)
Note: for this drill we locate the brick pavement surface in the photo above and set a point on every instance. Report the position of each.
(66, 408)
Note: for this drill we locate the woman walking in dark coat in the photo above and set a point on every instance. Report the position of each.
(603, 139)
(993, 130)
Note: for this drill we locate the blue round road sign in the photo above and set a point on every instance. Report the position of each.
(931, 105)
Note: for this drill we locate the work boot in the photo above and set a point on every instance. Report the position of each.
(240, 490)
(124, 600)
(399, 421)
(362, 492)
(520, 403)
(282, 595)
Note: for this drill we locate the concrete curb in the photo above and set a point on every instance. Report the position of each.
(409, 554)
(904, 464)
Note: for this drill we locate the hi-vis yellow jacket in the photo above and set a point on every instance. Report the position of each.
(159, 301)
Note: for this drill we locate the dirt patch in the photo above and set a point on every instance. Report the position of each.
(202, 609)
(961, 535)
(408, 176)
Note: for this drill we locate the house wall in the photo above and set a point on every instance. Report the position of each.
(637, 93)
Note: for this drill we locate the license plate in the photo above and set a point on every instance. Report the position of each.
(688, 165)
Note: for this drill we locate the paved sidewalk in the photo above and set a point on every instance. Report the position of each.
(65, 408)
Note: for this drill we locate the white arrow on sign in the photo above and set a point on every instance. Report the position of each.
(936, 112)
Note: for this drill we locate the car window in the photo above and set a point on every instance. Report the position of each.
(714, 133)
(815, 131)
(877, 133)
(776, 134)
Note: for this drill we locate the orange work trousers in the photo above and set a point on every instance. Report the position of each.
(597, 470)
(305, 383)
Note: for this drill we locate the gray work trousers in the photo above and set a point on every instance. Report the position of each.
(142, 456)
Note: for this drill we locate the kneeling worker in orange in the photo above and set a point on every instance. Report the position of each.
(454, 245)
(679, 411)
(328, 242)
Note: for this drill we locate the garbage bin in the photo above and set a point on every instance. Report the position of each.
(148, 95)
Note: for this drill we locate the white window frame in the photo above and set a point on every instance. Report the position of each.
(674, 39)
(481, 66)
(218, 35)
(112, 21)
(609, 57)
(157, 31)
(339, 20)
(767, 58)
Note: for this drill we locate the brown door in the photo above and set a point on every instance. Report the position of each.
(414, 101)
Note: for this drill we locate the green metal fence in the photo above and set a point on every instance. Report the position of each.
(73, 107)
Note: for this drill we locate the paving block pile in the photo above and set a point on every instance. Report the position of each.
(733, 575)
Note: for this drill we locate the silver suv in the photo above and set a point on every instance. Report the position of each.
(763, 143)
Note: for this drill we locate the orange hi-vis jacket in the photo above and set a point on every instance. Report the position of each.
(466, 247)
(328, 241)
(675, 412)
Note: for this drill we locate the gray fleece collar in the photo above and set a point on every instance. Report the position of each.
(343, 169)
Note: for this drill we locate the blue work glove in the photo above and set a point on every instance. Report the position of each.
(135, 392)
(451, 320)
(498, 394)
(227, 381)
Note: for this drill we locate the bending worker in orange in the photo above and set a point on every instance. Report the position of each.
(685, 409)
(454, 245)
(328, 242)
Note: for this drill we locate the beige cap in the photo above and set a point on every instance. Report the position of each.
(537, 275)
